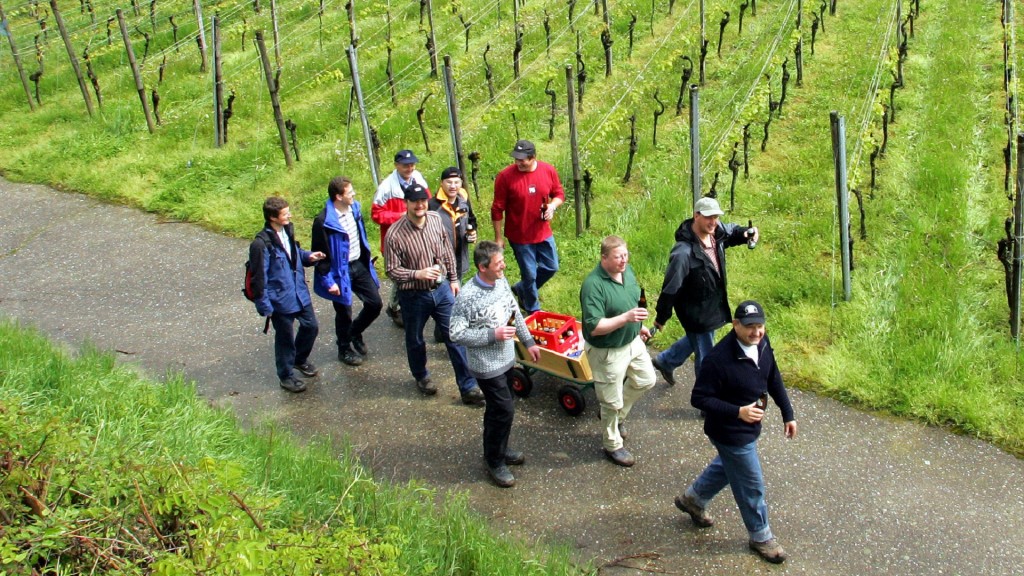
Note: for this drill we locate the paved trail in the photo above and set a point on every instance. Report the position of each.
(853, 494)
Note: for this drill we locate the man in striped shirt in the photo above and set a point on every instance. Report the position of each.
(420, 261)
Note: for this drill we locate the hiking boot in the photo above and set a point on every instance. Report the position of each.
(622, 457)
(769, 550)
(514, 457)
(622, 430)
(474, 397)
(501, 476)
(350, 357)
(426, 386)
(359, 346)
(307, 369)
(697, 514)
(395, 316)
(293, 384)
(664, 371)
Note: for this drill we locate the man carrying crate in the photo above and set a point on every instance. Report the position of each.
(615, 342)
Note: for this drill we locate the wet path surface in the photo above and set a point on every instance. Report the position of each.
(853, 494)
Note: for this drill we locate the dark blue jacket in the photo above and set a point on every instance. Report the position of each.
(729, 379)
(329, 237)
(284, 289)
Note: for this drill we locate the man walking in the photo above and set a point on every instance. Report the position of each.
(340, 233)
(389, 207)
(615, 342)
(528, 192)
(732, 389)
(281, 293)
(695, 285)
(485, 320)
(420, 261)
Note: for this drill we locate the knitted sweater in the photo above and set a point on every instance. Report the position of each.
(479, 309)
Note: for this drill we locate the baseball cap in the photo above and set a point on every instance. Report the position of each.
(451, 172)
(415, 192)
(406, 157)
(524, 149)
(708, 206)
(749, 312)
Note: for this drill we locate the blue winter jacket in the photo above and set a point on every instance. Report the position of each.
(284, 290)
(329, 237)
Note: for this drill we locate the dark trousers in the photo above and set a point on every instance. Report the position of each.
(417, 306)
(498, 416)
(363, 287)
(292, 350)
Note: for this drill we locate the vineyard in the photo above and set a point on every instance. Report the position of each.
(921, 85)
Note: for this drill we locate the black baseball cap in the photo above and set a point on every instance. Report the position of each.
(749, 312)
(406, 157)
(524, 149)
(415, 192)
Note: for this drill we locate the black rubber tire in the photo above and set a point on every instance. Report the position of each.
(520, 383)
(572, 400)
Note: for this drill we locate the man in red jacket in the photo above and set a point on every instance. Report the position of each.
(389, 207)
(528, 192)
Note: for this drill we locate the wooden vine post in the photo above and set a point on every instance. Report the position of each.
(272, 87)
(218, 85)
(71, 55)
(838, 125)
(574, 146)
(431, 40)
(17, 59)
(453, 113)
(1018, 245)
(277, 33)
(703, 43)
(139, 85)
(201, 37)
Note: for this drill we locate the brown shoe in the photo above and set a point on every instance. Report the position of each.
(426, 386)
(697, 514)
(769, 550)
(622, 457)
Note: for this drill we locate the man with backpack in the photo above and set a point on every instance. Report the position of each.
(278, 289)
(340, 233)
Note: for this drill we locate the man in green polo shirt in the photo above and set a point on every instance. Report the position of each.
(615, 342)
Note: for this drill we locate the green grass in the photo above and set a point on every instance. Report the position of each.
(926, 333)
(92, 429)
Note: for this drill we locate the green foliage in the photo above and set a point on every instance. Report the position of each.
(101, 471)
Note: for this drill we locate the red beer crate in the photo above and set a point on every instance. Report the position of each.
(555, 332)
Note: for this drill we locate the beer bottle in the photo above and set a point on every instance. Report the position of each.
(512, 320)
(762, 401)
(544, 206)
(642, 303)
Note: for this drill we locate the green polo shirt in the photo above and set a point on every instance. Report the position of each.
(602, 297)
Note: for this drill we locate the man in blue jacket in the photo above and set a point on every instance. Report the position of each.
(340, 233)
(733, 386)
(281, 292)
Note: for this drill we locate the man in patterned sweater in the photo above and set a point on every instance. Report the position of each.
(482, 321)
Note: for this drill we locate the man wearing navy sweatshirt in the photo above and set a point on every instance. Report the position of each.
(732, 387)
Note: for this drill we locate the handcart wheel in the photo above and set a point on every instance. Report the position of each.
(572, 400)
(520, 383)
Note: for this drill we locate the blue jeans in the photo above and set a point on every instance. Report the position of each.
(699, 344)
(740, 468)
(416, 307)
(537, 264)
(292, 351)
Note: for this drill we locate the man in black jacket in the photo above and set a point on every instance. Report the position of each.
(695, 285)
(732, 388)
